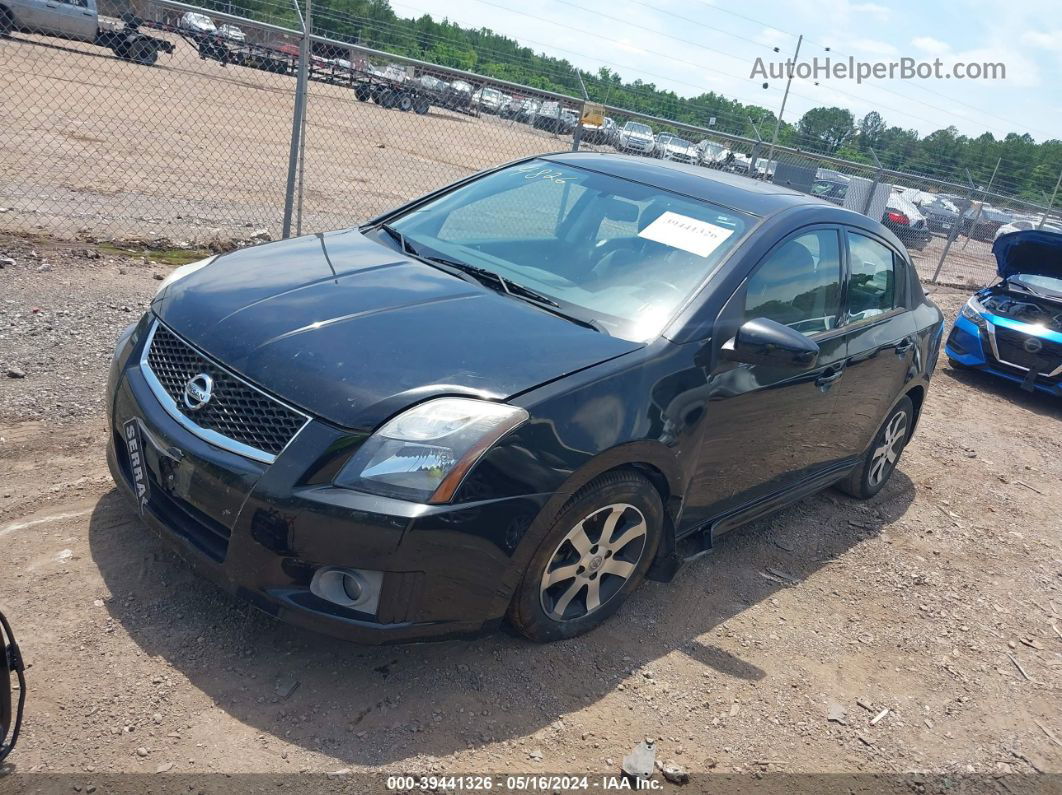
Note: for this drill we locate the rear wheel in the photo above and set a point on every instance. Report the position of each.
(421, 106)
(363, 93)
(881, 459)
(594, 556)
(143, 52)
(404, 103)
(7, 24)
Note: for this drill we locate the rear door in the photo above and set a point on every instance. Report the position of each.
(880, 338)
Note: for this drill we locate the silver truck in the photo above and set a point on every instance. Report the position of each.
(78, 20)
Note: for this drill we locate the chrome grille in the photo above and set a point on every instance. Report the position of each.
(236, 410)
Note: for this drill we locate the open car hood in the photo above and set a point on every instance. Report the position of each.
(1034, 251)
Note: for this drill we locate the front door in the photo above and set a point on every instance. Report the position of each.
(767, 428)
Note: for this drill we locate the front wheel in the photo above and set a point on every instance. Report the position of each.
(596, 553)
(881, 459)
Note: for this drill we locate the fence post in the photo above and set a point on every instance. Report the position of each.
(308, 24)
(1050, 204)
(296, 123)
(954, 231)
(577, 135)
(984, 198)
(873, 185)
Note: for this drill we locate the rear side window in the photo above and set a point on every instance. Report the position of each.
(799, 283)
(872, 288)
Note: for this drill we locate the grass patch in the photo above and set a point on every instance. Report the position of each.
(164, 256)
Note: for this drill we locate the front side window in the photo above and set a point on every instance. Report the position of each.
(798, 284)
(623, 254)
(872, 287)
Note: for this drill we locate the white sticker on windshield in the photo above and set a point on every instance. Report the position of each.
(689, 234)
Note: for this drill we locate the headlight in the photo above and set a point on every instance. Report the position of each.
(972, 310)
(184, 270)
(425, 452)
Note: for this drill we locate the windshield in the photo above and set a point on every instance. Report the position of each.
(621, 254)
(1038, 281)
(639, 128)
(680, 142)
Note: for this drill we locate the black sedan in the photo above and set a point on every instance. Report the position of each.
(517, 397)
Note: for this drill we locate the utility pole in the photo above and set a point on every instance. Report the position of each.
(785, 96)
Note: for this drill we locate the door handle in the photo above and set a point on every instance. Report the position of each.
(829, 376)
(903, 347)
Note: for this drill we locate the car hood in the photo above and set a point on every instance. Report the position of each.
(351, 331)
(1034, 251)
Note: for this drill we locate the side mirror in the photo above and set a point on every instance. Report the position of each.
(763, 341)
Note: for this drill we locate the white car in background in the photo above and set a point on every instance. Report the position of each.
(671, 147)
(1021, 224)
(197, 23)
(635, 137)
(489, 99)
(232, 33)
(709, 153)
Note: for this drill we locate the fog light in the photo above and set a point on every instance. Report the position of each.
(352, 585)
(357, 589)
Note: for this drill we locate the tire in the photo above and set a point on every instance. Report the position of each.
(874, 472)
(7, 24)
(956, 364)
(404, 103)
(421, 106)
(143, 52)
(363, 93)
(620, 503)
(388, 99)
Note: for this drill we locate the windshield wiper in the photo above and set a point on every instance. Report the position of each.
(399, 238)
(494, 280)
(490, 278)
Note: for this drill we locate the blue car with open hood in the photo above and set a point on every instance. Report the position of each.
(1013, 329)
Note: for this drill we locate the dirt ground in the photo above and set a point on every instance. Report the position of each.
(939, 601)
(193, 151)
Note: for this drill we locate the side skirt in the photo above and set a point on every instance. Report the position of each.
(700, 540)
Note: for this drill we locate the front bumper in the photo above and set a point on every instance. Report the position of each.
(973, 347)
(261, 530)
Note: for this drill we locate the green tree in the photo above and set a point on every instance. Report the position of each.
(826, 129)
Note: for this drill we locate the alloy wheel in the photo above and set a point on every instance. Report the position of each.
(888, 451)
(594, 561)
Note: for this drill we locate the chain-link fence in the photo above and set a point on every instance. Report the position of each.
(173, 124)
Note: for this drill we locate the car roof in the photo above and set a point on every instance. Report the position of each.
(719, 187)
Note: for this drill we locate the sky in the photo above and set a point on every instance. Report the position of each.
(693, 46)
